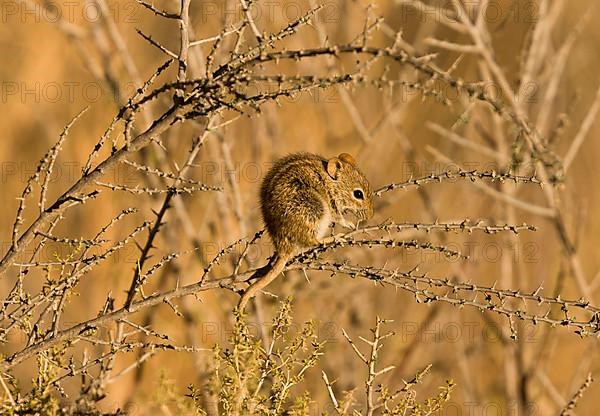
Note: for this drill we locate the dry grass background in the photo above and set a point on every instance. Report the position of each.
(391, 136)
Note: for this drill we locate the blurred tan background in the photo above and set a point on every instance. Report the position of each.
(45, 81)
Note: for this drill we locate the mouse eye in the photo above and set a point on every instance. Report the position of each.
(358, 194)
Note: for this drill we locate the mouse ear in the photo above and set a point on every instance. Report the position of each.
(333, 167)
(346, 157)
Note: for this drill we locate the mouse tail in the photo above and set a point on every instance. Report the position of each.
(275, 270)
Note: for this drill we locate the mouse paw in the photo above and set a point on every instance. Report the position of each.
(347, 224)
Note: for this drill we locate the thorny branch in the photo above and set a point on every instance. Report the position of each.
(237, 82)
